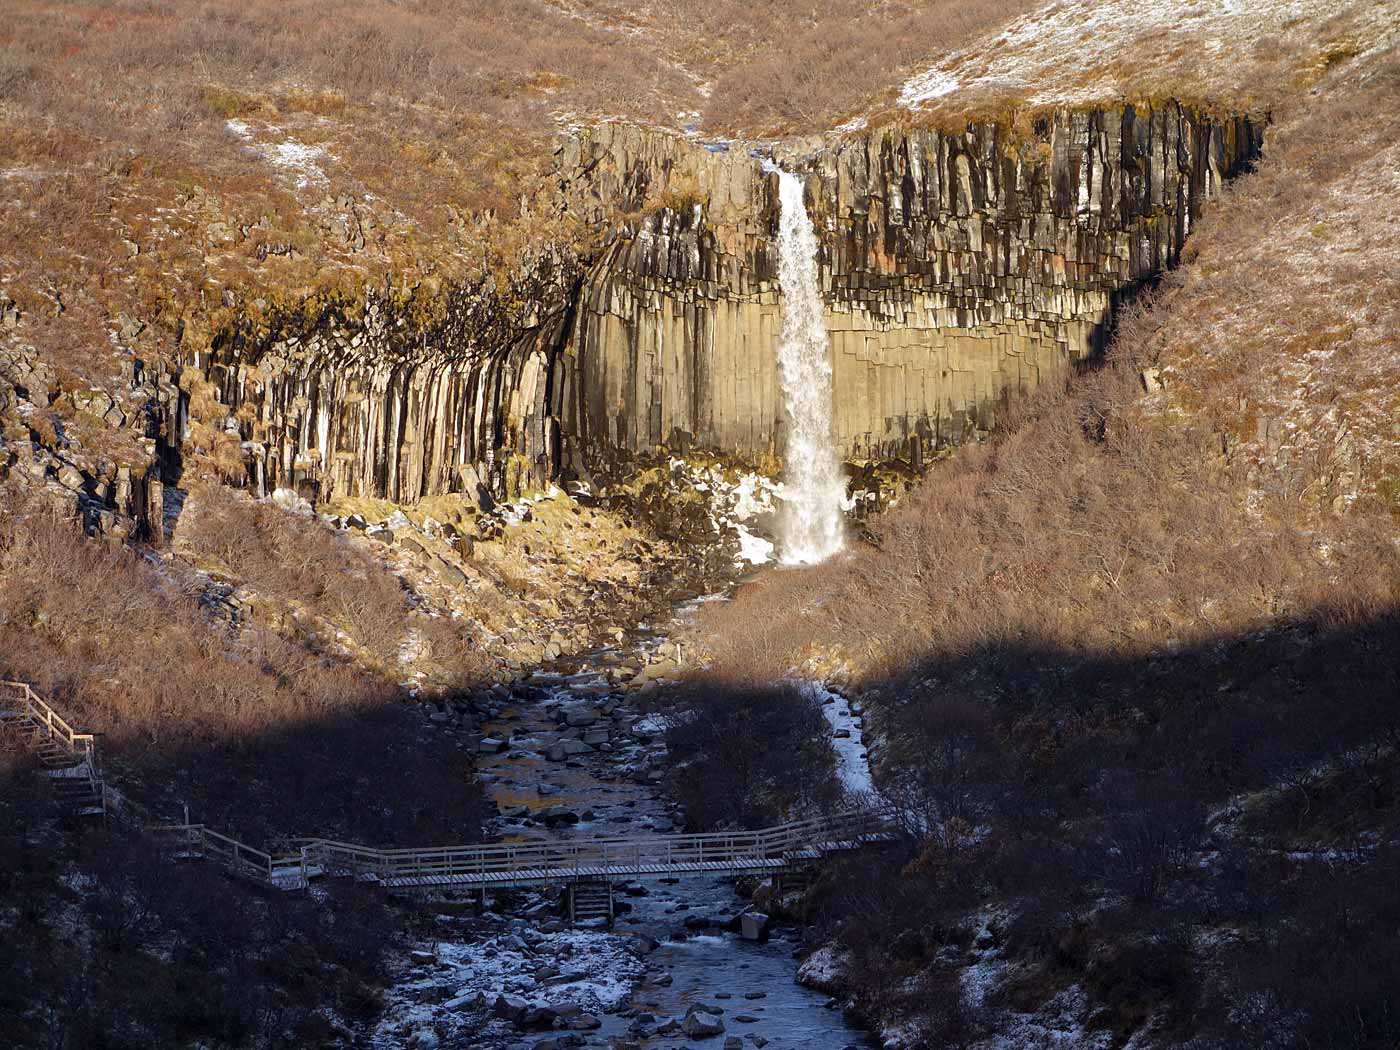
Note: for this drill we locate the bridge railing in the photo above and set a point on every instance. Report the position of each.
(592, 854)
(552, 859)
(245, 859)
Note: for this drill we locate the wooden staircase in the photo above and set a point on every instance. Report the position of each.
(590, 901)
(69, 759)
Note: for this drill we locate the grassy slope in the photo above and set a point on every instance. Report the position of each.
(176, 166)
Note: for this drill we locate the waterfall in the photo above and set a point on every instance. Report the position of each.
(811, 526)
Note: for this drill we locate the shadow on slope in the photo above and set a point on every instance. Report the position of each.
(103, 946)
(260, 735)
(1201, 842)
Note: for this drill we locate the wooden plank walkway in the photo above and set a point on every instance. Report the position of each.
(505, 865)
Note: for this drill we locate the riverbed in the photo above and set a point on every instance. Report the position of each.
(630, 985)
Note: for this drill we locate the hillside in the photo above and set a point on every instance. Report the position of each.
(396, 445)
(1131, 662)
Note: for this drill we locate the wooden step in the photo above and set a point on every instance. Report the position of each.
(70, 784)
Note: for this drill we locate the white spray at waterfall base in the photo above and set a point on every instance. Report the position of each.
(812, 525)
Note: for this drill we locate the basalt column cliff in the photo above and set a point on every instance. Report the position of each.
(959, 269)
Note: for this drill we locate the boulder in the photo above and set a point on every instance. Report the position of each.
(510, 1007)
(292, 503)
(823, 969)
(465, 1001)
(563, 749)
(580, 715)
(699, 1024)
(555, 816)
(70, 477)
(540, 1016)
(753, 926)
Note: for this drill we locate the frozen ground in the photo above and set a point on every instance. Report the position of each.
(740, 506)
(1074, 53)
(848, 737)
(301, 163)
(467, 990)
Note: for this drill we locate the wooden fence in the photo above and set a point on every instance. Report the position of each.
(501, 865)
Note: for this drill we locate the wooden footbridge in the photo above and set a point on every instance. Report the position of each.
(521, 864)
(575, 861)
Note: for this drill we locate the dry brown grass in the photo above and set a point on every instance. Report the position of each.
(1240, 58)
(330, 595)
(164, 66)
(258, 734)
(793, 68)
(1287, 341)
(299, 563)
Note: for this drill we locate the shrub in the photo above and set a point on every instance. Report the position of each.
(257, 734)
(747, 756)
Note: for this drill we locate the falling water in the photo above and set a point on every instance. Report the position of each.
(811, 527)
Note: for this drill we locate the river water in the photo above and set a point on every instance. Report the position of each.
(610, 791)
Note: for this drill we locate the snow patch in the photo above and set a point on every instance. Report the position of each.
(824, 968)
(928, 86)
(847, 737)
(737, 501)
(1061, 54)
(302, 163)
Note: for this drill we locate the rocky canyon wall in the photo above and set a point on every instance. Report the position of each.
(959, 269)
(377, 404)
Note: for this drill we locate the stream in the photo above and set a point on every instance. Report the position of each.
(667, 949)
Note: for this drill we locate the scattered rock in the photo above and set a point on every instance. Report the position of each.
(700, 1024)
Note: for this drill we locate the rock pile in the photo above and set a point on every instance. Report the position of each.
(111, 484)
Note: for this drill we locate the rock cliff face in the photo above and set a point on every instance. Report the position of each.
(959, 269)
(376, 403)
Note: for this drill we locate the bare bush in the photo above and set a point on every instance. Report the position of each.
(745, 756)
(257, 734)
